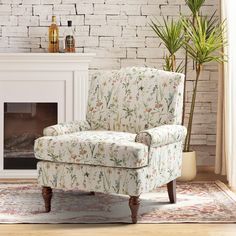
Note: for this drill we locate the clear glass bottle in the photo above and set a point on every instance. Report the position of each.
(53, 36)
(69, 38)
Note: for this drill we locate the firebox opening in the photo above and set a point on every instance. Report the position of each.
(23, 123)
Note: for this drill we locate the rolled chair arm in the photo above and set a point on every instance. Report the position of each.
(66, 128)
(162, 135)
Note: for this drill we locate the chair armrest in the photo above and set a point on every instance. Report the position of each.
(66, 128)
(162, 135)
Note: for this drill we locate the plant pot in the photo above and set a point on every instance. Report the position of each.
(189, 166)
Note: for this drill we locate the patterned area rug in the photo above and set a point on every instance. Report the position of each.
(198, 202)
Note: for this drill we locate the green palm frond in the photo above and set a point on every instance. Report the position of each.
(171, 34)
(211, 22)
(180, 67)
(194, 6)
(206, 41)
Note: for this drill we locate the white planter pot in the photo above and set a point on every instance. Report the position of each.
(189, 166)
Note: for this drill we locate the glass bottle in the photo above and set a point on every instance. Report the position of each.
(53, 34)
(69, 38)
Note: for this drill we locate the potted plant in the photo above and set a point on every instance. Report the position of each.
(202, 41)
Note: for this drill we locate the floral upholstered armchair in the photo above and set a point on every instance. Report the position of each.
(130, 142)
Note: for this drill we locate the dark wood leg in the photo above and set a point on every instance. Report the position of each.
(134, 203)
(92, 193)
(171, 186)
(47, 196)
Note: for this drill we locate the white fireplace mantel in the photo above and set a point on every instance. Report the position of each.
(43, 77)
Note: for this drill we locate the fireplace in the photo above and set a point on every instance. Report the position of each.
(23, 123)
(37, 90)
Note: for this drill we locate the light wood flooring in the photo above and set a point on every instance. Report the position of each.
(122, 229)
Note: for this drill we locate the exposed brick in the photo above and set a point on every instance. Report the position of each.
(21, 10)
(150, 53)
(82, 30)
(131, 10)
(106, 9)
(5, 10)
(95, 19)
(8, 20)
(28, 20)
(129, 42)
(14, 31)
(25, 2)
(64, 10)
(38, 32)
(167, 10)
(24, 42)
(132, 62)
(129, 31)
(50, 1)
(131, 53)
(84, 8)
(84, 41)
(106, 42)
(117, 20)
(137, 21)
(118, 32)
(151, 10)
(76, 20)
(42, 10)
(107, 52)
(106, 30)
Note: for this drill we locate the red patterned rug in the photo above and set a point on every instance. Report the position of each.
(198, 202)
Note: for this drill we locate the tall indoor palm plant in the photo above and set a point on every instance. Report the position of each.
(202, 39)
(204, 45)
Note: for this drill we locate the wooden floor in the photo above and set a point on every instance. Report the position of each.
(122, 229)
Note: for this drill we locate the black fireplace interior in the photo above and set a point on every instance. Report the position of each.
(23, 123)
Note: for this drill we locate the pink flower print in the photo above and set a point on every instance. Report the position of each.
(158, 105)
(99, 103)
(148, 110)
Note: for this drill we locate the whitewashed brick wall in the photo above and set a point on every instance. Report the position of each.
(118, 32)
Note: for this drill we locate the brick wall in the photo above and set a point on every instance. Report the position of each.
(118, 32)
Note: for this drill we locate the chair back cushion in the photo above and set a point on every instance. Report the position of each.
(134, 99)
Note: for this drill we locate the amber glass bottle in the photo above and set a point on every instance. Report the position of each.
(53, 34)
(69, 38)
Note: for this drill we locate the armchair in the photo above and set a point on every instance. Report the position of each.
(130, 143)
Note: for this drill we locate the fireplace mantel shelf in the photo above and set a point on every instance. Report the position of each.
(39, 57)
(60, 78)
(14, 61)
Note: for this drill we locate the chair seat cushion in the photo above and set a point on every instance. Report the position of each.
(104, 148)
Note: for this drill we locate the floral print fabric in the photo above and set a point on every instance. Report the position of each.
(162, 135)
(102, 148)
(66, 128)
(131, 142)
(134, 99)
(164, 166)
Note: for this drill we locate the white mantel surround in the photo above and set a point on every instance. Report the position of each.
(43, 77)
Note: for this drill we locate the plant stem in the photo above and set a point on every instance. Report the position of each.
(190, 121)
(188, 137)
(185, 80)
(173, 63)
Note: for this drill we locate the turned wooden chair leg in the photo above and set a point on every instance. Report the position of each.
(47, 196)
(134, 203)
(171, 186)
